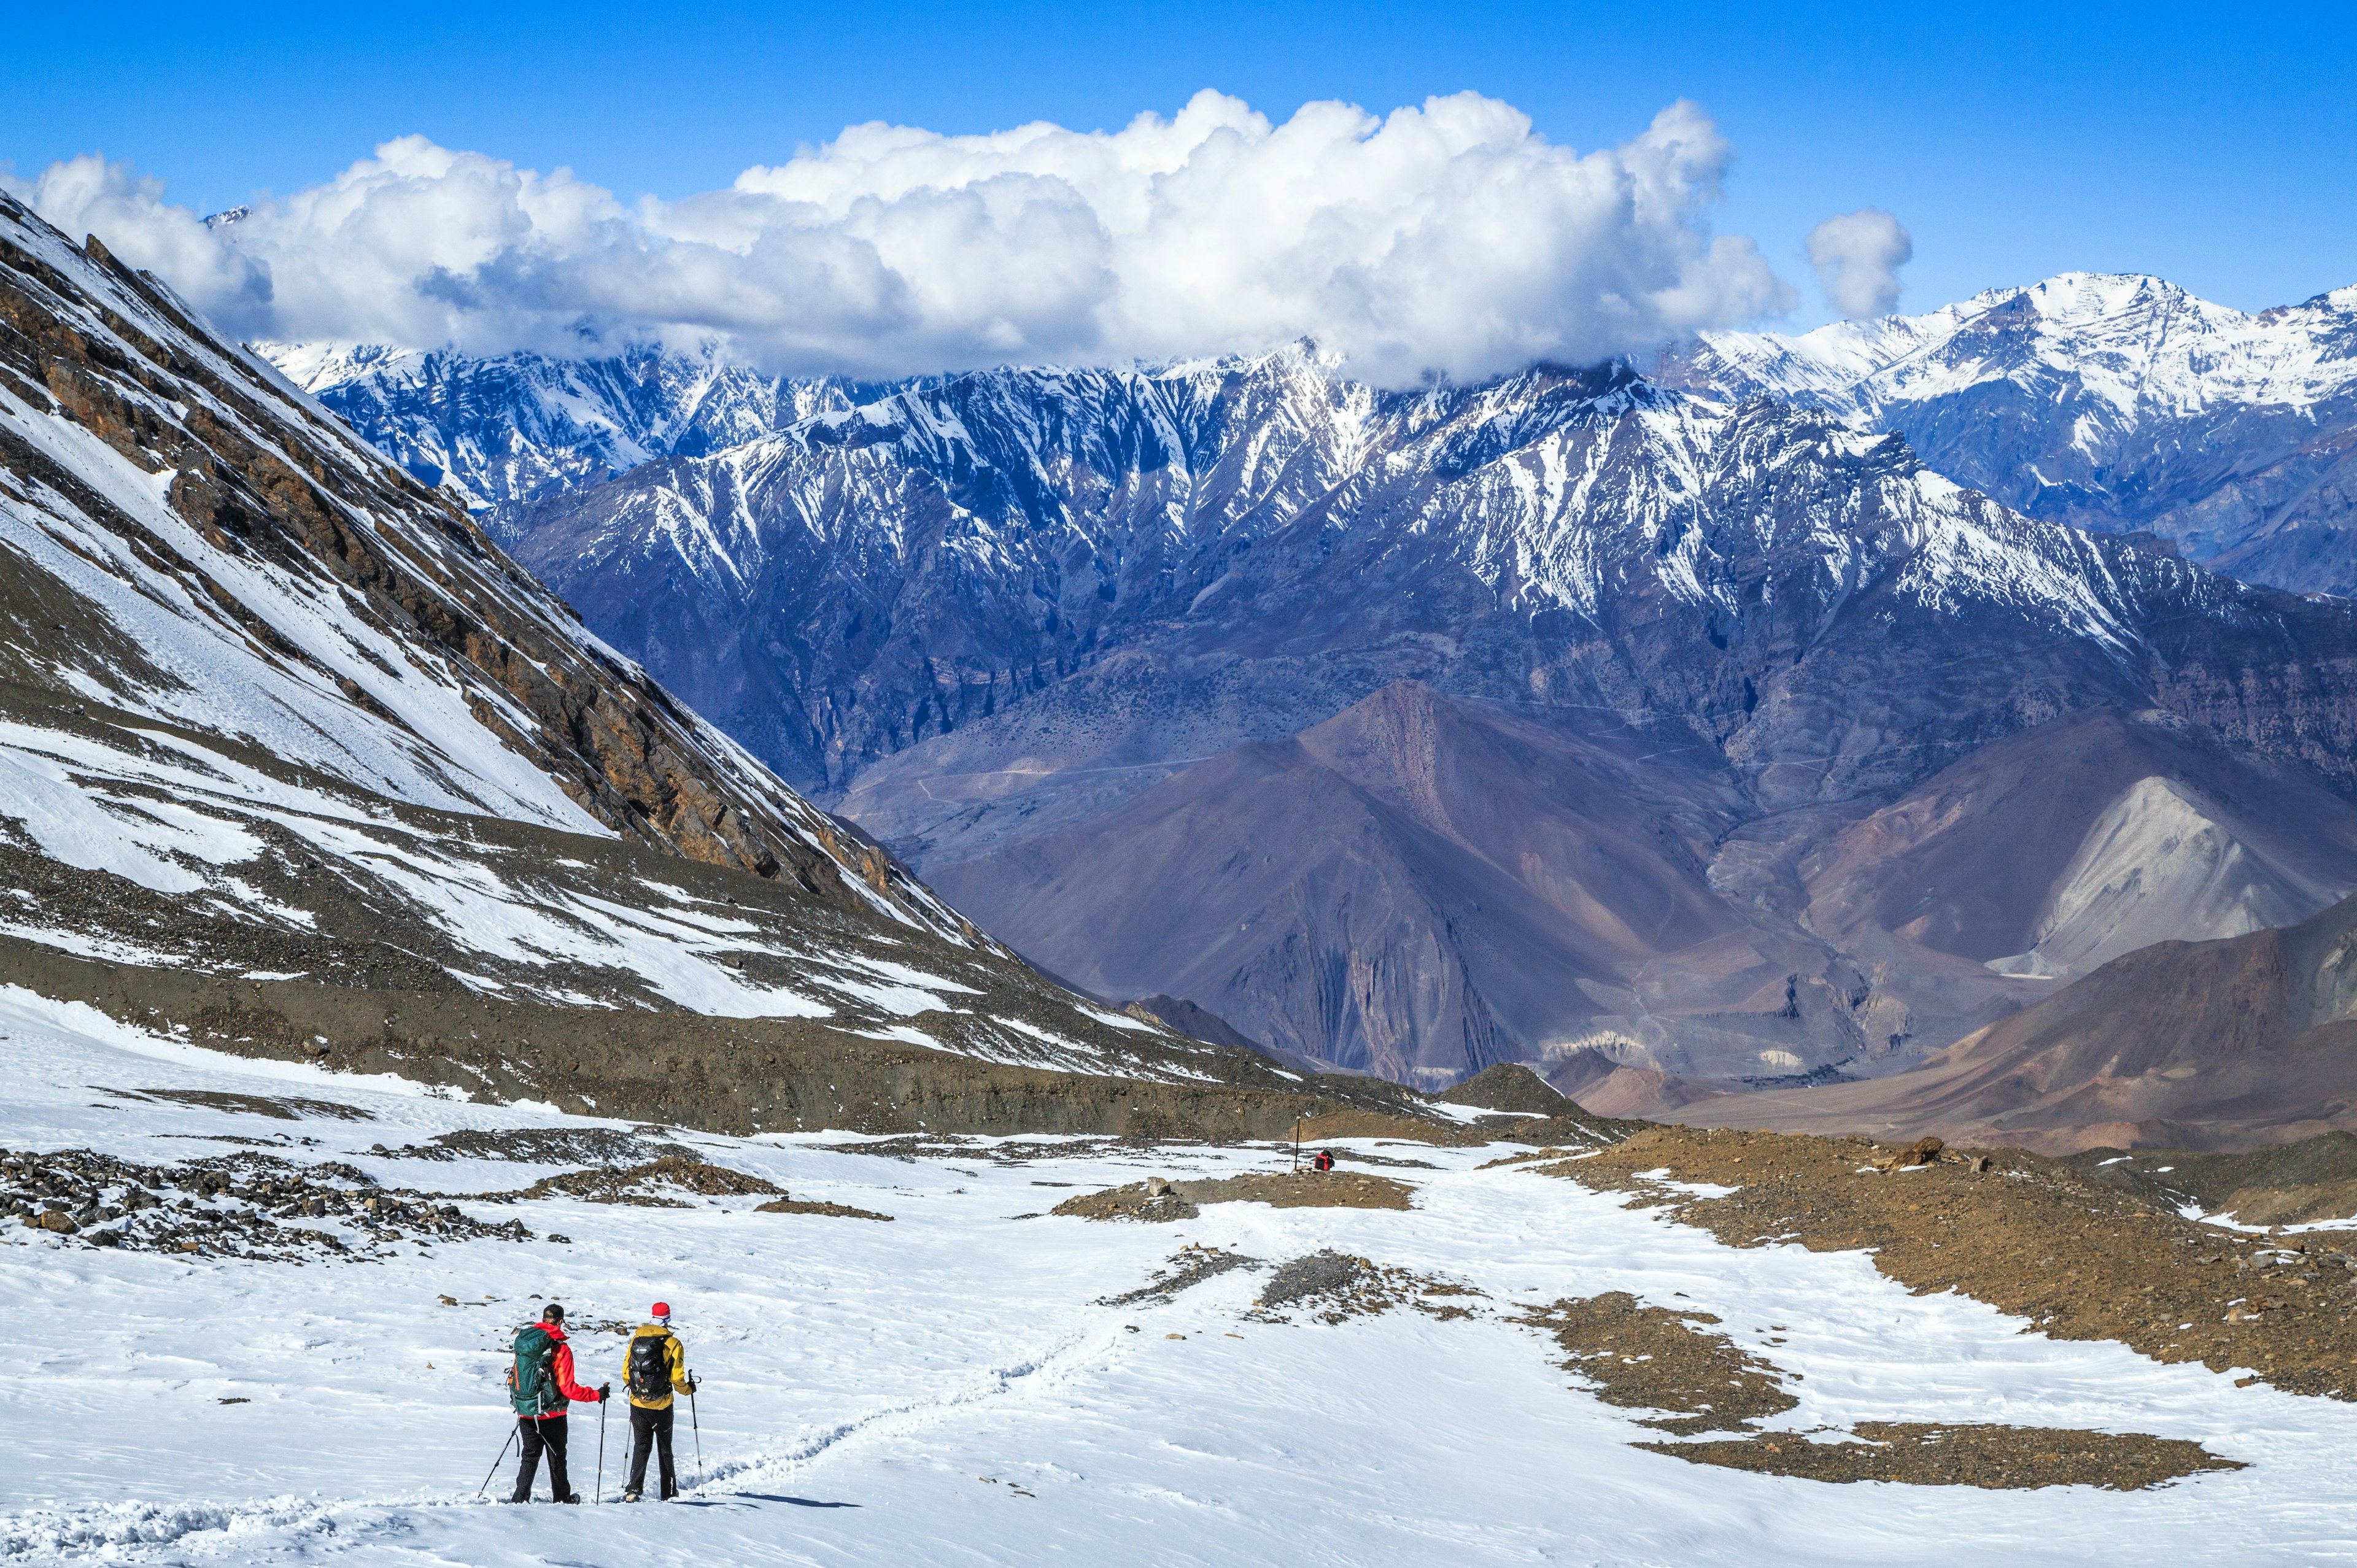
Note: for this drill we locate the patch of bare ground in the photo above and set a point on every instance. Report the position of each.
(1663, 1358)
(1575, 1131)
(1929, 1453)
(283, 1107)
(2027, 1234)
(651, 1185)
(1531, 1111)
(1162, 1200)
(1659, 1358)
(1353, 1121)
(539, 1145)
(1151, 1200)
(251, 1207)
(813, 1206)
(1508, 1086)
(1334, 1287)
(1310, 1189)
(2276, 1184)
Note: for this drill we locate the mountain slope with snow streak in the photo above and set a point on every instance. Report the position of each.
(2110, 401)
(271, 710)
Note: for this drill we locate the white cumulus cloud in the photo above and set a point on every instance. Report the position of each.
(1857, 256)
(1446, 238)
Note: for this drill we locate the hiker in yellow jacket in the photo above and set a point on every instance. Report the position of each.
(656, 1369)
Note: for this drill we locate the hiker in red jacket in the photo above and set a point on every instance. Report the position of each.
(540, 1384)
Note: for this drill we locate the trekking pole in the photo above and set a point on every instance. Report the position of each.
(512, 1430)
(697, 1427)
(599, 1495)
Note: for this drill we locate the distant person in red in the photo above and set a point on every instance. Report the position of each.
(1323, 1160)
(540, 1386)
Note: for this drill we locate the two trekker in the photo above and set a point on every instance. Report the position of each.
(541, 1387)
(657, 1367)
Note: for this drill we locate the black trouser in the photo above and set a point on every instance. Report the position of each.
(652, 1429)
(547, 1433)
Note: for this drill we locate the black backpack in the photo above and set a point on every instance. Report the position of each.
(649, 1364)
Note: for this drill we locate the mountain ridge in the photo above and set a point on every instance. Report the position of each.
(2107, 400)
(986, 616)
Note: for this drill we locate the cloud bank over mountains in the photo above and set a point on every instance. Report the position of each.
(1448, 237)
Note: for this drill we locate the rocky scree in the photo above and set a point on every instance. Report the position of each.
(245, 1206)
(1940, 1453)
(1333, 1287)
(1160, 1199)
(2027, 1234)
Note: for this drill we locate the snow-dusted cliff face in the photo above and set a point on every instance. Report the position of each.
(499, 431)
(867, 580)
(2108, 401)
(269, 709)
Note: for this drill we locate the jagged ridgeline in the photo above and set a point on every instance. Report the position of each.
(294, 762)
(2110, 401)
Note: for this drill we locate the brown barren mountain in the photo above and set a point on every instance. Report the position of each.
(2198, 1046)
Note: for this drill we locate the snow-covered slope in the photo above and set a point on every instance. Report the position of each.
(2107, 400)
(977, 1382)
(270, 708)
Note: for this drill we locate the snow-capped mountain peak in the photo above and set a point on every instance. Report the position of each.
(2110, 401)
(502, 430)
(2136, 341)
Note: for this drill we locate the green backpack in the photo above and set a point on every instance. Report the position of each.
(531, 1381)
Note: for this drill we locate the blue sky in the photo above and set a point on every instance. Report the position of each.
(2013, 143)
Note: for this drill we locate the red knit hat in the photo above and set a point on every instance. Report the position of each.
(662, 1309)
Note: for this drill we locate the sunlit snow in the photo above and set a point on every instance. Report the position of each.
(953, 1388)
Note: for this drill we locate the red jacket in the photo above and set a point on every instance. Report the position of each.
(563, 1368)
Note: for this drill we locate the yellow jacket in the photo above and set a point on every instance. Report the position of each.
(673, 1352)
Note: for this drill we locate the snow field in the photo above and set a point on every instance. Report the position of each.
(943, 1390)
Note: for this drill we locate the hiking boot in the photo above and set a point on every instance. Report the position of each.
(630, 1497)
(521, 1497)
(572, 1497)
